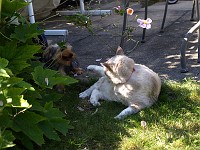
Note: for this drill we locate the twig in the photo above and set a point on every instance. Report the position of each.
(22, 111)
(5, 36)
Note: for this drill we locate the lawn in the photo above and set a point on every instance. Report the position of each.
(172, 123)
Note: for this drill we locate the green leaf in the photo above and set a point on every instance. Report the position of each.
(32, 118)
(18, 56)
(48, 106)
(7, 120)
(60, 125)
(55, 119)
(3, 73)
(41, 76)
(25, 52)
(33, 95)
(13, 91)
(22, 54)
(51, 112)
(25, 85)
(13, 97)
(6, 139)
(18, 65)
(66, 80)
(25, 32)
(9, 72)
(48, 130)
(3, 62)
(47, 78)
(26, 141)
(35, 105)
(27, 122)
(23, 102)
(8, 51)
(13, 81)
(51, 96)
(11, 6)
(17, 101)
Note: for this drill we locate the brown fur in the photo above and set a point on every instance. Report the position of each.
(61, 59)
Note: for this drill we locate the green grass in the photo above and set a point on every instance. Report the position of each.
(172, 123)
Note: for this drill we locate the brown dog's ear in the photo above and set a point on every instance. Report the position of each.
(119, 51)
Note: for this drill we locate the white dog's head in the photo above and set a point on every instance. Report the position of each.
(119, 68)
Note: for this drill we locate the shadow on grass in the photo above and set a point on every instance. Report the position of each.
(96, 128)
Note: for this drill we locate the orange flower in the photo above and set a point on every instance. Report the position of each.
(129, 11)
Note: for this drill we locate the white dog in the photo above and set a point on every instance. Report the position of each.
(134, 85)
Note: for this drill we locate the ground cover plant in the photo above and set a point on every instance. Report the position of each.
(172, 123)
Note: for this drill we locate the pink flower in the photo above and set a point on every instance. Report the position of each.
(129, 11)
(145, 23)
(117, 8)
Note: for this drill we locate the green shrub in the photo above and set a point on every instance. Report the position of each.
(27, 113)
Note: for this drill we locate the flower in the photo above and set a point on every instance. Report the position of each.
(129, 11)
(118, 8)
(143, 124)
(145, 23)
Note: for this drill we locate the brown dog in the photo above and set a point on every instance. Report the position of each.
(62, 59)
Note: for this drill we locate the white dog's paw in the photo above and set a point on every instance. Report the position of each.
(91, 67)
(94, 103)
(83, 95)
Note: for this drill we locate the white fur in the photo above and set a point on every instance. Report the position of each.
(134, 85)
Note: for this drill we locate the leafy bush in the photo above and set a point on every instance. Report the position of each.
(27, 113)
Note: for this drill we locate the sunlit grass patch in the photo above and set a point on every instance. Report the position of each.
(172, 123)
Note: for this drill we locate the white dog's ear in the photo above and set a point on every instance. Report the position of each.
(106, 66)
(119, 51)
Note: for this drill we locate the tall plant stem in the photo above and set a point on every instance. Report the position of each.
(126, 5)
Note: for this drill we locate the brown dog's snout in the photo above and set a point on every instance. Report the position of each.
(71, 55)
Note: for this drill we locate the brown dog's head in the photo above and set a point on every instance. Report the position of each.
(62, 58)
(119, 68)
(65, 56)
(61, 55)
